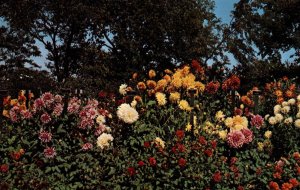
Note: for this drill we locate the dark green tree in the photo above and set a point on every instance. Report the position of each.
(265, 28)
(107, 40)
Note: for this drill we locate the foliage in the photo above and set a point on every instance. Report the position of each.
(270, 25)
(102, 42)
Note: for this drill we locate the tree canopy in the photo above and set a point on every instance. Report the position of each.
(269, 26)
(98, 44)
(114, 36)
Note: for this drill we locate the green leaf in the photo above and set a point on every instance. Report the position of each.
(112, 171)
(11, 140)
(151, 102)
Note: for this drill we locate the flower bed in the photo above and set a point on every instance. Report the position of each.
(175, 130)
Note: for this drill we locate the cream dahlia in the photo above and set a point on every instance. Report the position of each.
(127, 113)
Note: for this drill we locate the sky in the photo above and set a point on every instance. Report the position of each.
(223, 9)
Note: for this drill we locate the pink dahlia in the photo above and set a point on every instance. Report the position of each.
(49, 152)
(236, 139)
(91, 113)
(73, 106)
(257, 121)
(45, 136)
(39, 104)
(13, 113)
(57, 110)
(248, 135)
(99, 130)
(87, 146)
(93, 103)
(86, 123)
(25, 114)
(48, 99)
(45, 118)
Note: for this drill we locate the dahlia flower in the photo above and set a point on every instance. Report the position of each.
(272, 120)
(184, 105)
(45, 118)
(74, 105)
(38, 104)
(57, 110)
(26, 114)
(13, 113)
(48, 99)
(288, 120)
(104, 139)
(297, 123)
(248, 135)
(100, 119)
(161, 98)
(292, 101)
(268, 134)
(238, 120)
(152, 74)
(141, 86)
(285, 109)
(278, 117)
(49, 152)
(151, 84)
(174, 97)
(176, 82)
(220, 116)
(257, 121)
(222, 134)
(45, 136)
(236, 139)
(87, 146)
(159, 142)
(58, 98)
(284, 103)
(122, 89)
(277, 109)
(127, 113)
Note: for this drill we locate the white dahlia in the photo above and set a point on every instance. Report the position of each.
(127, 113)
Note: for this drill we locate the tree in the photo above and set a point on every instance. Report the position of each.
(163, 33)
(117, 37)
(63, 27)
(16, 48)
(271, 26)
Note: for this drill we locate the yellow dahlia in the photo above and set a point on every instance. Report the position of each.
(161, 98)
(176, 82)
(184, 105)
(188, 80)
(200, 86)
(174, 97)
